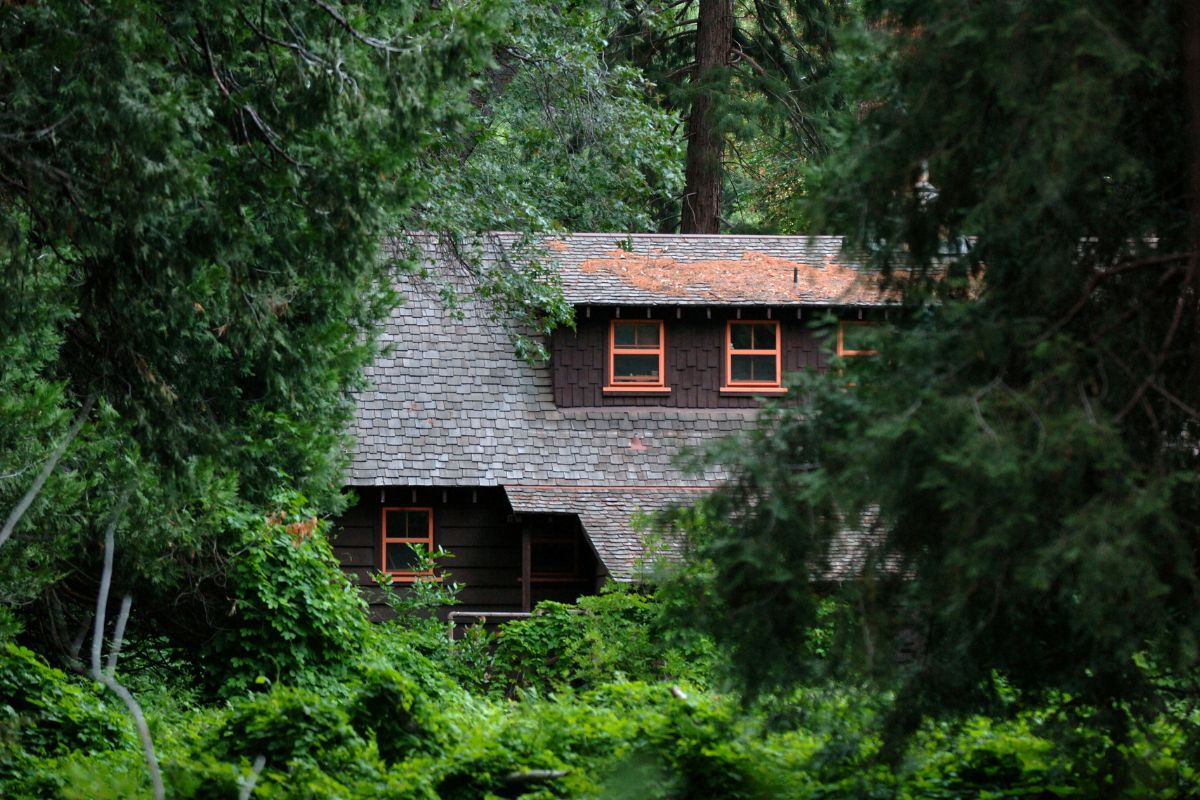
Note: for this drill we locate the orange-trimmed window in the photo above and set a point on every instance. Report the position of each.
(752, 355)
(636, 356)
(402, 528)
(850, 339)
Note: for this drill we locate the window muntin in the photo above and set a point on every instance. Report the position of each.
(752, 354)
(401, 528)
(636, 354)
(850, 337)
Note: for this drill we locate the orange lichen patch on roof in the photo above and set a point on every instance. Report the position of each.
(755, 276)
(555, 244)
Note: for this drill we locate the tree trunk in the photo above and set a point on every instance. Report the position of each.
(1191, 285)
(705, 143)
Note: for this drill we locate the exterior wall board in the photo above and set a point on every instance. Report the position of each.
(694, 357)
(477, 526)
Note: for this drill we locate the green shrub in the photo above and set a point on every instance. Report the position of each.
(416, 628)
(295, 617)
(615, 635)
(287, 725)
(391, 708)
(45, 713)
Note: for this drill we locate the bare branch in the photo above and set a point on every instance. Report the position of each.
(139, 720)
(268, 135)
(370, 41)
(105, 583)
(1176, 320)
(104, 678)
(114, 649)
(212, 64)
(979, 412)
(13, 518)
(306, 55)
(248, 787)
(1101, 275)
(41, 133)
(534, 776)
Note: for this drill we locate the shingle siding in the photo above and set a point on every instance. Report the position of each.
(694, 340)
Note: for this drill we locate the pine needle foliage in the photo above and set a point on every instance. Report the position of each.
(194, 195)
(1018, 466)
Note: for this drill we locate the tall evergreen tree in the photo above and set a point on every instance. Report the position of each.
(1018, 470)
(749, 79)
(193, 199)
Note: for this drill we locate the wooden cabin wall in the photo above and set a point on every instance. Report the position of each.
(473, 524)
(694, 356)
(478, 527)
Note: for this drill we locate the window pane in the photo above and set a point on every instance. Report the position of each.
(740, 336)
(764, 336)
(635, 369)
(757, 369)
(624, 333)
(418, 524)
(647, 335)
(394, 524)
(636, 334)
(400, 556)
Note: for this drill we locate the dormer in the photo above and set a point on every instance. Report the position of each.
(704, 322)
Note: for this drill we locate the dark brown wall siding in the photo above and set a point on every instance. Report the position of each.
(475, 525)
(472, 524)
(694, 357)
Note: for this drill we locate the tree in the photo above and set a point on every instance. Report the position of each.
(564, 135)
(194, 196)
(702, 192)
(1018, 466)
(747, 75)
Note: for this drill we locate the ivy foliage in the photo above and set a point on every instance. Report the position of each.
(386, 723)
(46, 714)
(293, 617)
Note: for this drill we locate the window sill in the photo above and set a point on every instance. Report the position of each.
(636, 390)
(753, 390)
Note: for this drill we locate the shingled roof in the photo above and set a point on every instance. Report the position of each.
(450, 404)
(661, 269)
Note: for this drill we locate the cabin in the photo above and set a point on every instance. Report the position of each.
(534, 476)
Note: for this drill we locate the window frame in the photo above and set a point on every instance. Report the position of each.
(403, 575)
(731, 386)
(613, 386)
(841, 332)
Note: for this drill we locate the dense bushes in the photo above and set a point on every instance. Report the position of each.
(617, 635)
(46, 715)
(293, 618)
(579, 701)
